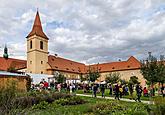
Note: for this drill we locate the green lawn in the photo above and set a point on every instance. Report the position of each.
(88, 108)
(107, 94)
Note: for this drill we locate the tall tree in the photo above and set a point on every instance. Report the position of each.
(61, 78)
(161, 76)
(150, 70)
(93, 74)
(113, 77)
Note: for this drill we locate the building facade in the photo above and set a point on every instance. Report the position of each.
(40, 62)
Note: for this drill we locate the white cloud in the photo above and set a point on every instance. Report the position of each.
(89, 31)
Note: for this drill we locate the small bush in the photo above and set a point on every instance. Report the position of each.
(41, 105)
(70, 101)
(159, 106)
(7, 94)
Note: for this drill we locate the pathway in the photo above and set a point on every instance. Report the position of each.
(122, 99)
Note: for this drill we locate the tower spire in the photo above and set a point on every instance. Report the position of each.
(5, 54)
(37, 27)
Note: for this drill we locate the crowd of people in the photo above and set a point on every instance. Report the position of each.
(54, 86)
(116, 90)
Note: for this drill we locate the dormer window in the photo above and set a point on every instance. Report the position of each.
(128, 66)
(41, 45)
(113, 68)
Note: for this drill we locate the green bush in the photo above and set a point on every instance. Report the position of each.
(75, 100)
(41, 105)
(159, 106)
(117, 108)
(7, 94)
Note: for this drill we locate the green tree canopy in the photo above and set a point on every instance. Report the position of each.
(113, 77)
(150, 70)
(60, 78)
(133, 80)
(92, 74)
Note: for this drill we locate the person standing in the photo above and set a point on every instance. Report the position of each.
(95, 90)
(131, 90)
(117, 92)
(59, 87)
(138, 92)
(120, 91)
(163, 91)
(110, 89)
(102, 88)
(70, 87)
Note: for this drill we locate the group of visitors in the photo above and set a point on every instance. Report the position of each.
(44, 85)
(119, 90)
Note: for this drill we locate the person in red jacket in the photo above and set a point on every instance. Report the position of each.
(46, 85)
(145, 92)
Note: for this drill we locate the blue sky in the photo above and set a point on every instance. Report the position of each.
(88, 31)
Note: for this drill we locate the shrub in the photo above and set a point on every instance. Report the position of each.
(41, 105)
(117, 108)
(70, 101)
(7, 94)
(159, 106)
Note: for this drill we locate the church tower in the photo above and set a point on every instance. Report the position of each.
(37, 48)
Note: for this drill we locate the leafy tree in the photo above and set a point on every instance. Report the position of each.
(161, 75)
(92, 74)
(60, 78)
(82, 78)
(113, 77)
(150, 70)
(133, 80)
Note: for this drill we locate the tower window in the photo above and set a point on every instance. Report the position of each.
(41, 72)
(41, 45)
(30, 44)
(41, 62)
(30, 62)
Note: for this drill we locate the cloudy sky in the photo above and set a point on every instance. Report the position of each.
(89, 31)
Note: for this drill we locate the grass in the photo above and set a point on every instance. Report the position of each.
(107, 95)
(74, 109)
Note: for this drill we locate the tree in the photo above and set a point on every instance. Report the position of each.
(60, 78)
(113, 77)
(161, 75)
(133, 80)
(153, 71)
(150, 70)
(92, 74)
(82, 78)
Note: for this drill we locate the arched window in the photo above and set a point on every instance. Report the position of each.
(41, 45)
(30, 44)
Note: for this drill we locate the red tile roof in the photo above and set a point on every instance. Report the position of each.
(37, 28)
(131, 63)
(58, 63)
(10, 62)
(62, 64)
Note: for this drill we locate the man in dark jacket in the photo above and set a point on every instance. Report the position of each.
(138, 92)
(116, 91)
(94, 90)
(102, 88)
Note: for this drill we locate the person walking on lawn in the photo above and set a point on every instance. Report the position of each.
(138, 92)
(117, 92)
(94, 90)
(102, 88)
(110, 90)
